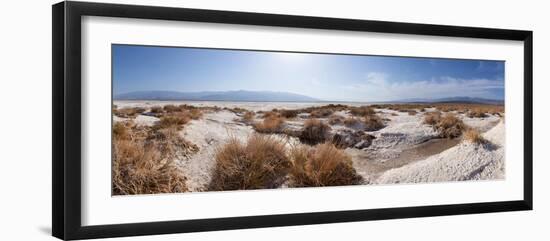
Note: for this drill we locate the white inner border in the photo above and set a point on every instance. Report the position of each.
(98, 33)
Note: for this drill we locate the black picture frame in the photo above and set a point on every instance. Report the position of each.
(66, 127)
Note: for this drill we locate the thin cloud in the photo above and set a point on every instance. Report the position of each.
(378, 87)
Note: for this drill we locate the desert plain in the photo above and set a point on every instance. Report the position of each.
(193, 146)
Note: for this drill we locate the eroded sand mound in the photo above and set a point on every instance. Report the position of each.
(465, 161)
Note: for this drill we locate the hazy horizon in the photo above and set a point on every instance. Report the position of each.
(326, 77)
(318, 100)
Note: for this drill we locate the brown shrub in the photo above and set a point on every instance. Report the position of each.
(173, 120)
(188, 107)
(194, 114)
(470, 107)
(402, 107)
(411, 112)
(143, 159)
(336, 119)
(322, 165)
(449, 126)
(289, 113)
(259, 164)
(321, 113)
(170, 144)
(352, 122)
(156, 109)
(431, 118)
(447, 108)
(314, 131)
(248, 117)
(171, 108)
(269, 114)
(323, 110)
(477, 113)
(121, 131)
(128, 112)
(362, 111)
(473, 136)
(373, 123)
(141, 166)
(271, 124)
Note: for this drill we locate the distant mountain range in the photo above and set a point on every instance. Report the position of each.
(237, 95)
(456, 99)
(272, 96)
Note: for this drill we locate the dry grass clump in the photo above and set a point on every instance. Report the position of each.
(431, 118)
(335, 107)
(143, 160)
(260, 163)
(470, 107)
(477, 113)
(473, 136)
(171, 108)
(373, 123)
(314, 132)
(191, 111)
(194, 114)
(320, 109)
(352, 122)
(447, 108)
(289, 113)
(402, 107)
(121, 130)
(128, 112)
(322, 165)
(169, 142)
(449, 126)
(248, 117)
(271, 124)
(362, 111)
(176, 120)
(139, 169)
(321, 113)
(411, 112)
(336, 119)
(269, 114)
(157, 110)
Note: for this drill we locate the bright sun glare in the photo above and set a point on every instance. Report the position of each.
(291, 57)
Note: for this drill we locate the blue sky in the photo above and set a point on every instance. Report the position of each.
(328, 77)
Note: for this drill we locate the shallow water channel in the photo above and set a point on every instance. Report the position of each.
(372, 166)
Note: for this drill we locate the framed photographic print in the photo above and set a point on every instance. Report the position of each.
(169, 120)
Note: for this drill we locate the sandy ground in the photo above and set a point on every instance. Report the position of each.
(405, 151)
(466, 161)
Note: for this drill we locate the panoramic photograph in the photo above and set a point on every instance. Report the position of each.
(201, 119)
